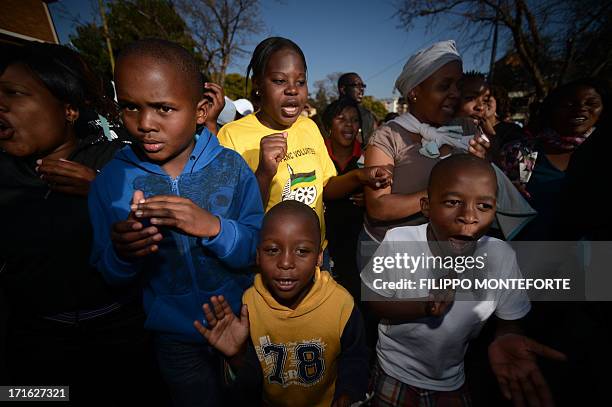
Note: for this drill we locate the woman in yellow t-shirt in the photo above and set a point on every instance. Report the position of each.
(284, 149)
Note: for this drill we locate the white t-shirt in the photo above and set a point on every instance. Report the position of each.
(428, 353)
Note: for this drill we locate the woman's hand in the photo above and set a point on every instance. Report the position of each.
(66, 176)
(358, 199)
(487, 126)
(376, 177)
(479, 145)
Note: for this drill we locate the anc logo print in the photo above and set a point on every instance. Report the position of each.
(294, 189)
(292, 363)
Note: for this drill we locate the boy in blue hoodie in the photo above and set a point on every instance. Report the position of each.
(176, 210)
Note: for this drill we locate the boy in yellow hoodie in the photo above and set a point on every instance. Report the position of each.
(307, 344)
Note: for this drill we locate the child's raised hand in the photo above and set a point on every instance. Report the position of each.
(216, 101)
(66, 176)
(226, 332)
(513, 360)
(376, 177)
(130, 238)
(177, 212)
(272, 150)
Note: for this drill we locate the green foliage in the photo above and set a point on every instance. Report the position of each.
(130, 21)
(321, 100)
(375, 106)
(89, 41)
(234, 86)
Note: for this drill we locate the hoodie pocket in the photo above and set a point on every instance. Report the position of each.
(173, 314)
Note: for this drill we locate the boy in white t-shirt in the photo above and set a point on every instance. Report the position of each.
(423, 339)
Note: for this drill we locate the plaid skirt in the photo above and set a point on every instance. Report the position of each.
(389, 392)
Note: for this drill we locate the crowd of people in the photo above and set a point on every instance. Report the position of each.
(166, 245)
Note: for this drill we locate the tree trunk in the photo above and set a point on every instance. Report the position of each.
(532, 67)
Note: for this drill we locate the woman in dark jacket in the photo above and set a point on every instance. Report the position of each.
(66, 326)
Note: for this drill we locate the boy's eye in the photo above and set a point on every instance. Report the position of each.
(452, 202)
(271, 250)
(129, 107)
(165, 109)
(484, 206)
(302, 251)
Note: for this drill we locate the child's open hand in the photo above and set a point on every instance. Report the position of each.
(66, 176)
(513, 360)
(226, 332)
(272, 150)
(376, 177)
(130, 238)
(177, 212)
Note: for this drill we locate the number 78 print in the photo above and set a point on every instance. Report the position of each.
(307, 357)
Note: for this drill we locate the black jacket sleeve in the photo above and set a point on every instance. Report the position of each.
(353, 372)
(244, 386)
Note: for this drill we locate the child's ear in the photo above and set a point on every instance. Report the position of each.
(201, 111)
(320, 259)
(425, 206)
(71, 113)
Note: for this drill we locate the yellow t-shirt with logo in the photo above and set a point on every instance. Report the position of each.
(298, 349)
(303, 172)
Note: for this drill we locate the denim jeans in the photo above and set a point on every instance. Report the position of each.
(191, 371)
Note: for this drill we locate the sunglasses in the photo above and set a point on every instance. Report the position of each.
(356, 85)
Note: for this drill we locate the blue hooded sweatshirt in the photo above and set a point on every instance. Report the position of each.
(186, 271)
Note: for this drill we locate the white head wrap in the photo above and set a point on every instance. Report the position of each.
(424, 63)
(419, 67)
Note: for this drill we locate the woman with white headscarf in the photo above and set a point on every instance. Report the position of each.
(413, 142)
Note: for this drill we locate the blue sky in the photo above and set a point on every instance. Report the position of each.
(335, 35)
